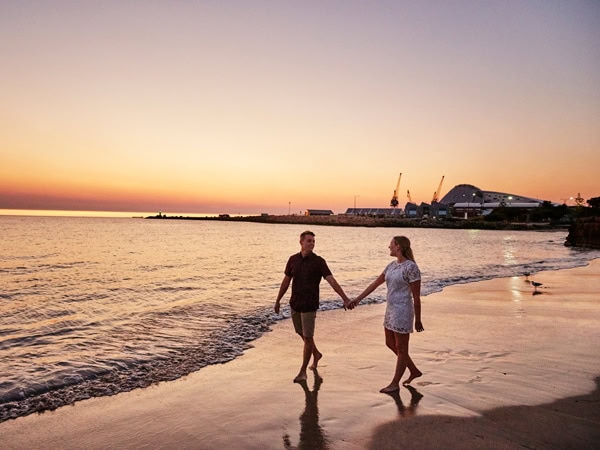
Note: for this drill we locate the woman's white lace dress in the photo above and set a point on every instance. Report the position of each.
(400, 311)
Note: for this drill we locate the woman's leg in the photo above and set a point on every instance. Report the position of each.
(390, 342)
(401, 341)
(414, 372)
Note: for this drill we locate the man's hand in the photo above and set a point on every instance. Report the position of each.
(419, 326)
(276, 308)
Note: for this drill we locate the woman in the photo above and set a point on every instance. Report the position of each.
(403, 280)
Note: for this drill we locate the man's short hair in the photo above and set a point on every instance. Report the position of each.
(305, 233)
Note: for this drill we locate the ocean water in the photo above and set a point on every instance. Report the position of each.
(96, 306)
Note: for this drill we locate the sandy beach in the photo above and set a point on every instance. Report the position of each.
(504, 367)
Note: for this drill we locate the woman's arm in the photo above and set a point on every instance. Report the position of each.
(415, 288)
(374, 285)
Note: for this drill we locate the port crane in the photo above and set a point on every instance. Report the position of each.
(408, 195)
(394, 201)
(565, 200)
(436, 194)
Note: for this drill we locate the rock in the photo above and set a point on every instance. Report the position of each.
(585, 233)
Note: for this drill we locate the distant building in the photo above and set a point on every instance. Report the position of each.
(374, 212)
(469, 200)
(411, 210)
(439, 210)
(318, 212)
(423, 210)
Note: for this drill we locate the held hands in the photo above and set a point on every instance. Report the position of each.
(347, 304)
(353, 304)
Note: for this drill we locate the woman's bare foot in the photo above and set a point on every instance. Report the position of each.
(300, 377)
(412, 376)
(415, 396)
(391, 388)
(316, 357)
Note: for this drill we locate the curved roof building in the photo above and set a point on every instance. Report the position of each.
(465, 194)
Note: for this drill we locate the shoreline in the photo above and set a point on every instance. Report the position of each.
(72, 394)
(493, 356)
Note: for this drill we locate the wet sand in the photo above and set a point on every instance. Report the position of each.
(503, 368)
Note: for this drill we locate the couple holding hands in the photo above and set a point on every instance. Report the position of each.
(304, 271)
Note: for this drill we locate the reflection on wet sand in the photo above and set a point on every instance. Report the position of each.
(572, 422)
(415, 398)
(312, 435)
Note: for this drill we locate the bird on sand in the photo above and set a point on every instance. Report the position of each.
(526, 275)
(535, 285)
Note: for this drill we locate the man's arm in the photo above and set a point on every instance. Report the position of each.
(285, 284)
(337, 288)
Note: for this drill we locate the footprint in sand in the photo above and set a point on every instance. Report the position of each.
(426, 383)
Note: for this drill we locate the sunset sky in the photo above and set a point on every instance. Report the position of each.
(269, 106)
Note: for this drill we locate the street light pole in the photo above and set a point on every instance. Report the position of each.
(355, 202)
(468, 200)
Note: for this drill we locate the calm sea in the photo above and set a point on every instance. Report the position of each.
(96, 306)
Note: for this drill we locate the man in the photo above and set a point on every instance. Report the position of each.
(306, 270)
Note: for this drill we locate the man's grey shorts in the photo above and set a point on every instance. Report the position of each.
(304, 323)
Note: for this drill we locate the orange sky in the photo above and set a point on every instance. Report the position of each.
(249, 107)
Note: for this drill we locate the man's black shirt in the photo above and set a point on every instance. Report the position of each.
(306, 273)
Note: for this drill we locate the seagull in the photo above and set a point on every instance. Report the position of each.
(535, 285)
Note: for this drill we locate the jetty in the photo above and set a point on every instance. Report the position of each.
(344, 220)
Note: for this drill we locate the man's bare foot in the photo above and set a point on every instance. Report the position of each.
(390, 388)
(316, 357)
(412, 376)
(300, 377)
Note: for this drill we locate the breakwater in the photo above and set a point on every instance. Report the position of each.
(370, 221)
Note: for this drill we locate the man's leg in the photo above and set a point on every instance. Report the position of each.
(307, 323)
(317, 355)
(308, 350)
(308, 330)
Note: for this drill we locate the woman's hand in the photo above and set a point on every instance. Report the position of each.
(419, 326)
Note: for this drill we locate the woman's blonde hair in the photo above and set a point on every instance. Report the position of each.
(404, 244)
